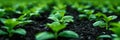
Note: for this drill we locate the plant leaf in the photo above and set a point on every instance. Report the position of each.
(99, 23)
(67, 19)
(53, 18)
(92, 16)
(82, 15)
(56, 26)
(3, 32)
(116, 38)
(20, 31)
(115, 24)
(11, 22)
(111, 17)
(104, 36)
(44, 36)
(89, 12)
(115, 30)
(69, 34)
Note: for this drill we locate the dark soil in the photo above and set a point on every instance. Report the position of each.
(83, 27)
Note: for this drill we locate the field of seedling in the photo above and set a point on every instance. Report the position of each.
(59, 19)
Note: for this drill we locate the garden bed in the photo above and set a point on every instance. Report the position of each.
(82, 26)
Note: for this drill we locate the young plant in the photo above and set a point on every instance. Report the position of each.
(60, 22)
(59, 5)
(88, 14)
(115, 29)
(23, 19)
(59, 17)
(106, 19)
(9, 26)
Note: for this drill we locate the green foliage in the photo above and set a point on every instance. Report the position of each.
(112, 36)
(20, 31)
(60, 22)
(9, 26)
(104, 36)
(88, 14)
(69, 34)
(56, 26)
(30, 8)
(23, 19)
(59, 17)
(99, 23)
(2, 32)
(48, 35)
(115, 28)
(44, 36)
(59, 5)
(105, 18)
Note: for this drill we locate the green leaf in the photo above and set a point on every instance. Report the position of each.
(115, 30)
(116, 38)
(11, 22)
(92, 16)
(56, 26)
(61, 12)
(67, 19)
(25, 22)
(99, 23)
(22, 17)
(115, 24)
(44, 36)
(101, 15)
(57, 16)
(82, 15)
(104, 36)
(89, 12)
(53, 18)
(20, 31)
(114, 35)
(69, 34)
(111, 17)
(2, 20)
(3, 32)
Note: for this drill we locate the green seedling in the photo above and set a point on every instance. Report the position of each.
(115, 29)
(9, 26)
(59, 17)
(79, 7)
(106, 19)
(60, 22)
(99, 24)
(23, 19)
(111, 36)
(59, 5)
(88, 14)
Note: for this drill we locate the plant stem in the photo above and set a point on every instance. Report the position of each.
(56, 35)
(10, 33)
(107, 27)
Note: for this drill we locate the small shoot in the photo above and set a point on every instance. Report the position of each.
(9, 26)
(88, 14)
(105, 18)
(60, 22)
